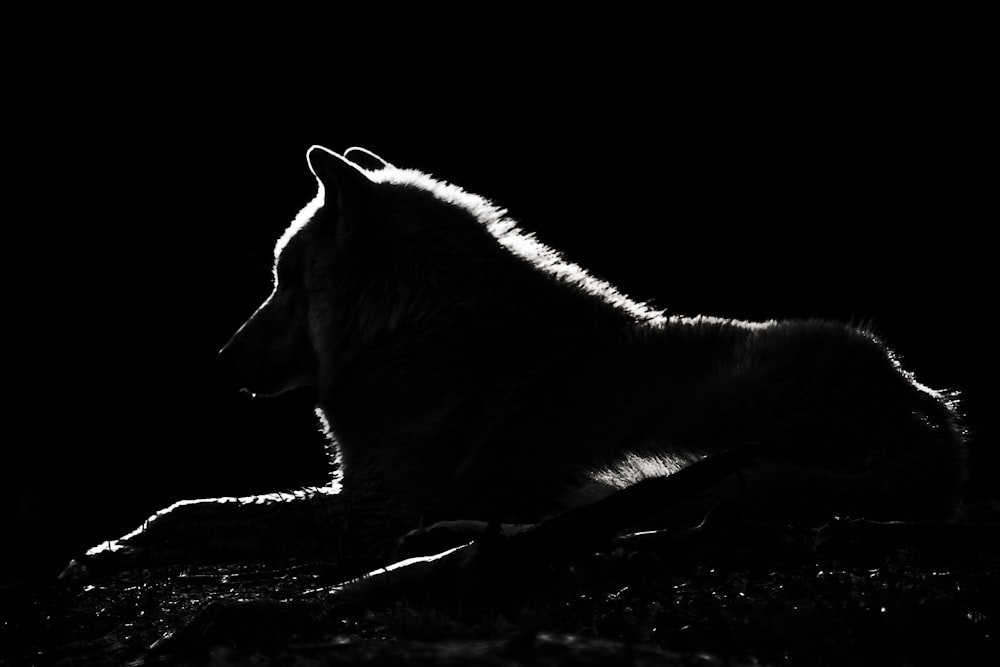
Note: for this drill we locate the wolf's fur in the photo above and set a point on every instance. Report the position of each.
(466, 371)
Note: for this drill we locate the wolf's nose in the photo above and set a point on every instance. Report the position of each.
(226, 365)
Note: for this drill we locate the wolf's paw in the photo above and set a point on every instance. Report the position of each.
(115, 556)
(186, 532)
(445, 535)
(438, 537)
(278, 526)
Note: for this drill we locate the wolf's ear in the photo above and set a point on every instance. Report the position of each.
(365, 159)
(343, 182)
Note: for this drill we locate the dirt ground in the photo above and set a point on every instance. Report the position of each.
(850, 594)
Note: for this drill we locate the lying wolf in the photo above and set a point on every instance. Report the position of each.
(464, 370)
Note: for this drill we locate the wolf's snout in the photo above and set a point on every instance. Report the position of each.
(267, 356)
(230, 367)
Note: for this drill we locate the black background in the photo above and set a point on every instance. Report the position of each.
(145, 210)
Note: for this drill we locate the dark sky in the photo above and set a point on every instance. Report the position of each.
(146, 217)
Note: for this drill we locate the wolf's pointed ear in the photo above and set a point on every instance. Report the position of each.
(365, 159)
(343, 182)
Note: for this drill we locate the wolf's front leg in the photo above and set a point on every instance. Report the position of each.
(312, 524)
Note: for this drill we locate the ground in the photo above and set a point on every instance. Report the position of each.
(736, 594)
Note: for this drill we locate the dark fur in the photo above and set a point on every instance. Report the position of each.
(465, 371)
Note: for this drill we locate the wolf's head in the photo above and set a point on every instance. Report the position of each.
(379, 249)
(394, 260)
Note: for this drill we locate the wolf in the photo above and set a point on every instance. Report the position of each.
(463, 370)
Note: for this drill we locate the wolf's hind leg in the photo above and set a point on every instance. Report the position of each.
(904, 488)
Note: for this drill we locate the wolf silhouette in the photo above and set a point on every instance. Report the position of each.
(464, 370)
